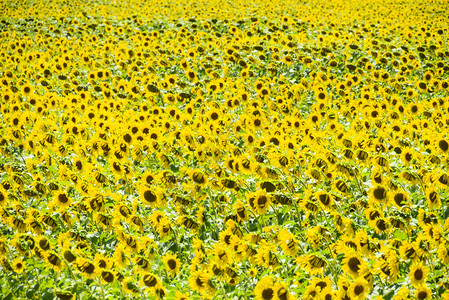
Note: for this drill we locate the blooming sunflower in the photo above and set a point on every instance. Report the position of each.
(433, 199)
(288, 243)
(423, 292)
(181, 296)
(260, 202)
(172, 264)
(87, 267)
(353, 263)
(418, 274)
(443, 253)
(150, 196)
(198, 281)
(150, 280)
(18, 265)
(62, 200)
(378, 195)
(402, 294)
(359, 288)
(120, 257)
(265, 289)
(312, 263)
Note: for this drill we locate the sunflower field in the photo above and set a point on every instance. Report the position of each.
(191, 149)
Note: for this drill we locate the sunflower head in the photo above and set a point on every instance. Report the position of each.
(265, 289)
(18, 265)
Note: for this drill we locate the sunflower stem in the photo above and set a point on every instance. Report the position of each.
(101, 287)
(358, 183)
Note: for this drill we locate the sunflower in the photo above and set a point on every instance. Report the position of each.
(148, 178)
(265, 289)
(418, 274)
(191, 75)
(353, 264)
(68, 255)
(164, 227)
(87, 267)
(421, 86)
(409, 251)
(311, 292)
(44, 243)
(381, 225)
(288, 243)
(62, 200)
(27, 90)
(198, 176)
(327, 293)
(423, 292)
(443, 253)
(3, 196)
(18, 265)
(240, 210)
(117, 168)
(378, 194)
(312, 263)
(407, 156)
(321, 283)
(260, 202)
(150, 196)
(324, 199)
(387, 265)
(102, 261)
(400, 198)
(433, 199)
(150, 280)
(198, 281)
(120, 257)
(53, 259)
(172, 264)
(402, 294)
(442, 144)
(341, 186)
(252, 272)
(359, 288)
(160, 292)
(181, 296)
(129, 286)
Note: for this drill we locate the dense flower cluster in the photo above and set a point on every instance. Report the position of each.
(224, 149)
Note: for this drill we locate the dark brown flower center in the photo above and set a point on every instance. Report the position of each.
(268, 293)
(354, 264)
(171, 264)
(63, 198)
(358, 289)
(443, 145)
(379, 193)
(418, 274)
(149, 196)
(422, 295)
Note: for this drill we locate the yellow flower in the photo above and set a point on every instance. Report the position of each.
(62, 200)
(260, 202)
(418, 274)
(354, 264)
(18, 265)
(432, 198)
(172, 264)
(265, 289)
(199, 281)
(359, 288)
(423, 292)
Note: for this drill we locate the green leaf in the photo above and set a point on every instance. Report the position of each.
(400, 235)
(47, 296)
(9, 297)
